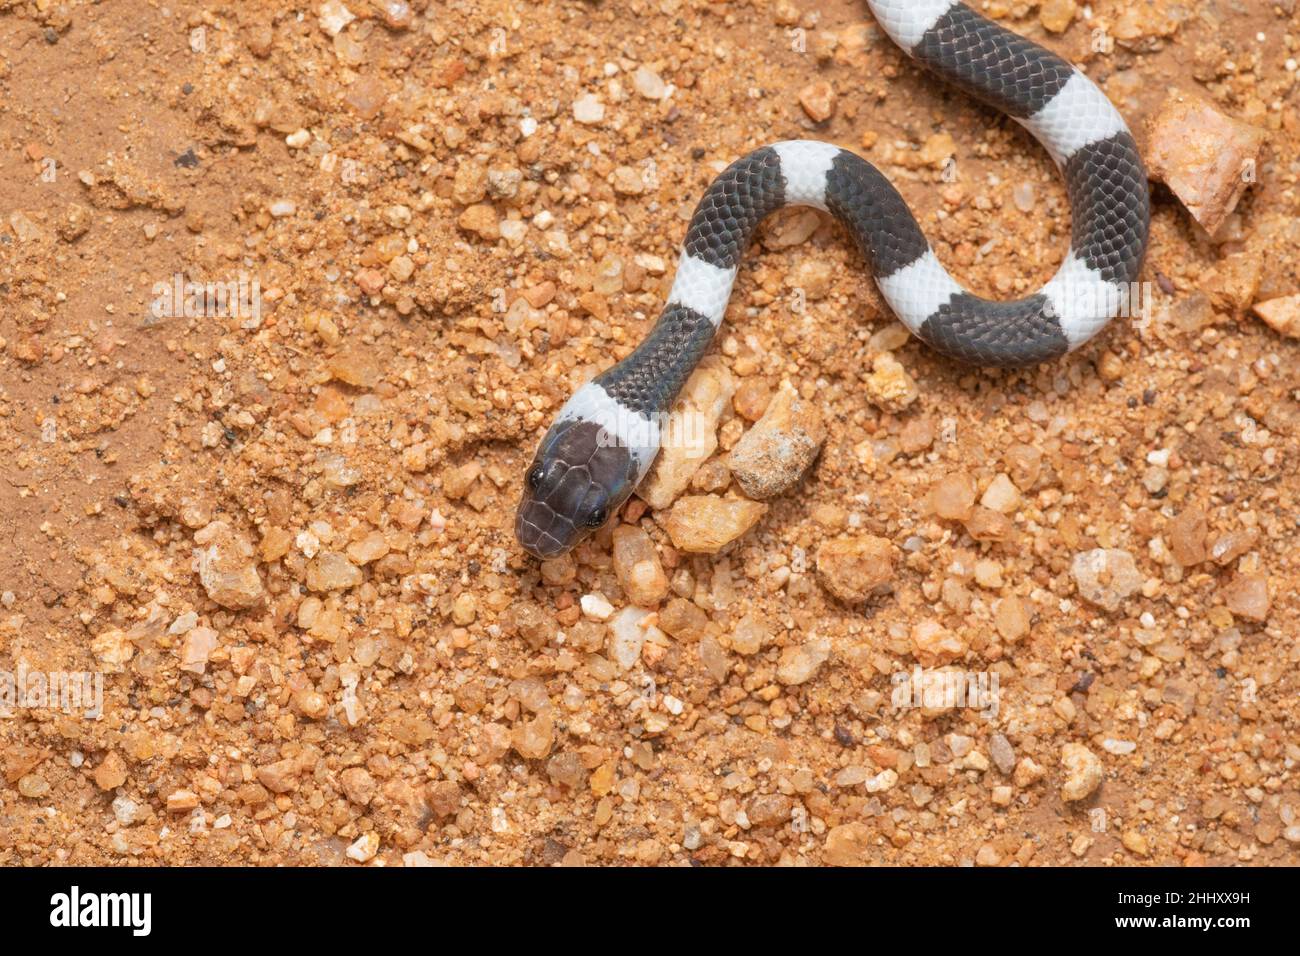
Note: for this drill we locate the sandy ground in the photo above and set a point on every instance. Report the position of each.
(283, 534)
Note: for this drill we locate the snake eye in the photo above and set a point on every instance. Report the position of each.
(535, 476)
(597, 518)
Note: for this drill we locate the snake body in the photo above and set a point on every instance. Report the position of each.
(606, 436)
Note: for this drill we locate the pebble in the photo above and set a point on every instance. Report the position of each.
(1003, 754)
(1011, 618)
(1001, 495)
(773, 456)
(934, 645)
(889, 387)
(1281, 315)
(196, 647)
(705, 524)
(628, 632)
(588, 110)
(1057, 15)
(750, 635)
(111, 772)
(532, 739)
(1247, 595)
(648, 83)
(690, 435)
(798, 665)
(683, 619)
(853, 567)
(1187, 534)
(637, 564)
(847, 845)
(952, 497)
(227, 569)
(1083, 772)
(1199, 152)
(1105, 577)
(818, 100)
(332, 571)
(596, 607)
(365, 847)
(334, 16)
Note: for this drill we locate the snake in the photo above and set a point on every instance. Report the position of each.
(604, 439)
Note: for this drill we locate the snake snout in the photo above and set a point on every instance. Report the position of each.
(541, 531)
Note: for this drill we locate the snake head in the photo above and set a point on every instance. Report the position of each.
(578, 478)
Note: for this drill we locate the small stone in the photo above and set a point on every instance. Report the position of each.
(987, 855)
(648, 83)
(1281, 315)
(365, 847)
(182, 801)
(1027, 773)
(705, 524)
(481, 219)
(1134, 842)
(332, 571)
(1105, 577)
(111, 772)
(636, 562)
(1011, 619)
(113, 649)
(628, 632)
(798, 664)
(334, 16)
(628, 181)
(358, 785)
(1187, 534)
(1003, 754)
(596, 606)
(952, 497)
(1001, 495)
(1057, 15)
(889, 387)
(683, 619)
(1083, 772)
(750, 635)
(532, 739)
(690, 435)
(933, 644)
(227, 569)
(818, 100)
(773, 456)
(853, 568)
(588, 110)
(1247, 596)
(847, 845)
(196, 647)
(1206, 157)
(279, 777)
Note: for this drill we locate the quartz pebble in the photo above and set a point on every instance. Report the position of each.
(637, 564)
(227, 571)
(1083, 772)
(1281, 315)
(798, 664)
(690, 435)
(855, 567)
(773, 455)
(1201, 154)
(1105, 577)
(705, 524)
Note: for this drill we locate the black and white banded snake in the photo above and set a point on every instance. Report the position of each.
(606, 436)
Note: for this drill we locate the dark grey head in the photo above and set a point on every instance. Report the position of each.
(578, 478)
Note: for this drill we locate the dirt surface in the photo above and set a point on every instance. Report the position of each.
(284, 535)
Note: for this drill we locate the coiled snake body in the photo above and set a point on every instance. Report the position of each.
(607, 435)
